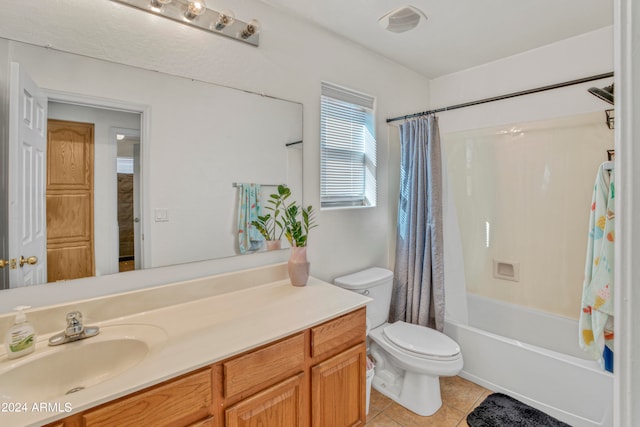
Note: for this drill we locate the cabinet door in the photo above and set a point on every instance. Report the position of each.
(338, 389)
(281, 405)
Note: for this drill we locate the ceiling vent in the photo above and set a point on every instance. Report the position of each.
(402, 19)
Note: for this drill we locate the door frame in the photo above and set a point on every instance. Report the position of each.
(113, 132)
(145, 115)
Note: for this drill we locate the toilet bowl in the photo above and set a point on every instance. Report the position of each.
(409, 358)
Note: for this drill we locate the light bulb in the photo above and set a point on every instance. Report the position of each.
(252, 27)
(225, 18)
(156, 5)
(195, 8)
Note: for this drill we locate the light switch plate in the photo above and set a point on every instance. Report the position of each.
(162, 214)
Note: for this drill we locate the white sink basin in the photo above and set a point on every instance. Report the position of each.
(52, 372)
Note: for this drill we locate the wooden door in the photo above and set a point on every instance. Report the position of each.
(70, 243)
(281, 405)
(338, 389)
(27, 150)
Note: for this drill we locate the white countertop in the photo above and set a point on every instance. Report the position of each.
(199, 332)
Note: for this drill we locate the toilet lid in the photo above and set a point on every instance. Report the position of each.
(421, 340)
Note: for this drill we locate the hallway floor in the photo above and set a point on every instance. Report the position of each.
(459, 397)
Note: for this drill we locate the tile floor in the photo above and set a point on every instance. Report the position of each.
(459, 397)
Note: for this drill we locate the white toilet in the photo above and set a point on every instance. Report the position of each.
(409, 358)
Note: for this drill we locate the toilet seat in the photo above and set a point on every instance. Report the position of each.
(421, 341)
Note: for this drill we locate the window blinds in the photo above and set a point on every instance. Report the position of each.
(347, 145)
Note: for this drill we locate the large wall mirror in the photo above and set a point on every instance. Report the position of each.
(158, 155)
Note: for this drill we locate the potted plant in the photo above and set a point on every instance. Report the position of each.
(269, 224)
(298, 221)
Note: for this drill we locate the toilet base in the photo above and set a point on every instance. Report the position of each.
(418, 393)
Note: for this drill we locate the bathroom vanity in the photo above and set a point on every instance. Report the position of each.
(251, 354)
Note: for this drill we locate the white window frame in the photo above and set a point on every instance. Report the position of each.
(347, 148)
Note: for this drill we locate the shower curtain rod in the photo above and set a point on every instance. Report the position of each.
(501, 97)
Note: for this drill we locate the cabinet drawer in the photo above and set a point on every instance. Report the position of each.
(181, 401)
(264, 366)
(339, 333)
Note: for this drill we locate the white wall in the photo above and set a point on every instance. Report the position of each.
(582, 56)
(293, 58)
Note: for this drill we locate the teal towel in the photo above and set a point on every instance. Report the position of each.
(249, 238)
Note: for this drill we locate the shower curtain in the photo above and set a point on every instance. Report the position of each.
(418, 291)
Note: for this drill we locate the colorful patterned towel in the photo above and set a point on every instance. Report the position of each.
(249, 238)
(596, 317)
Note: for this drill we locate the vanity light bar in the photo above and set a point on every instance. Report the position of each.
(221, 23)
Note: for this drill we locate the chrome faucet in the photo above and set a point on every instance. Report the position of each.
(74, 331)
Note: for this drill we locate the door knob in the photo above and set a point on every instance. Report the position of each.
(31, 260)
(8, 262)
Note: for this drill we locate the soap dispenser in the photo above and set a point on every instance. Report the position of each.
(21, 337)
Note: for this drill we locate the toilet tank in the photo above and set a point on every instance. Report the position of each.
(376, 283)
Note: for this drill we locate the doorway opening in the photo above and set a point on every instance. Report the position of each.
(128, 175)
(117, 165)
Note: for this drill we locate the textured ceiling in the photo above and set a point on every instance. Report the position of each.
(458, 34)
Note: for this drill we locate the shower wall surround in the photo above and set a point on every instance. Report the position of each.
(523, 193)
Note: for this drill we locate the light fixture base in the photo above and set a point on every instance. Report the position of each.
(175, 10)
(402, 19)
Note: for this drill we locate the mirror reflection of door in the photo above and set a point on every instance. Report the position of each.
(69, 195)
(128, 169)
(23, 259)
(108, 123)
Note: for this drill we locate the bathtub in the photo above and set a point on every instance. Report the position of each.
(534, 357)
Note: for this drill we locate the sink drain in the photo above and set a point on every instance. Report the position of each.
(74, 390)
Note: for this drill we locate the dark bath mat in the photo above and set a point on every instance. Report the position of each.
(500, 410)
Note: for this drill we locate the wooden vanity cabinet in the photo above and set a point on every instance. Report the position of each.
(312, 378)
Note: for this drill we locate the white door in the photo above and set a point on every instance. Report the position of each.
(27, 181)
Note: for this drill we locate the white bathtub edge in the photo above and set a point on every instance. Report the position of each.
(478, 369)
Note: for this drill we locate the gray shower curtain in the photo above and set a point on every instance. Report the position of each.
(418, 288)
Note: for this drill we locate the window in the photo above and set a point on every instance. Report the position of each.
(347, 148)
